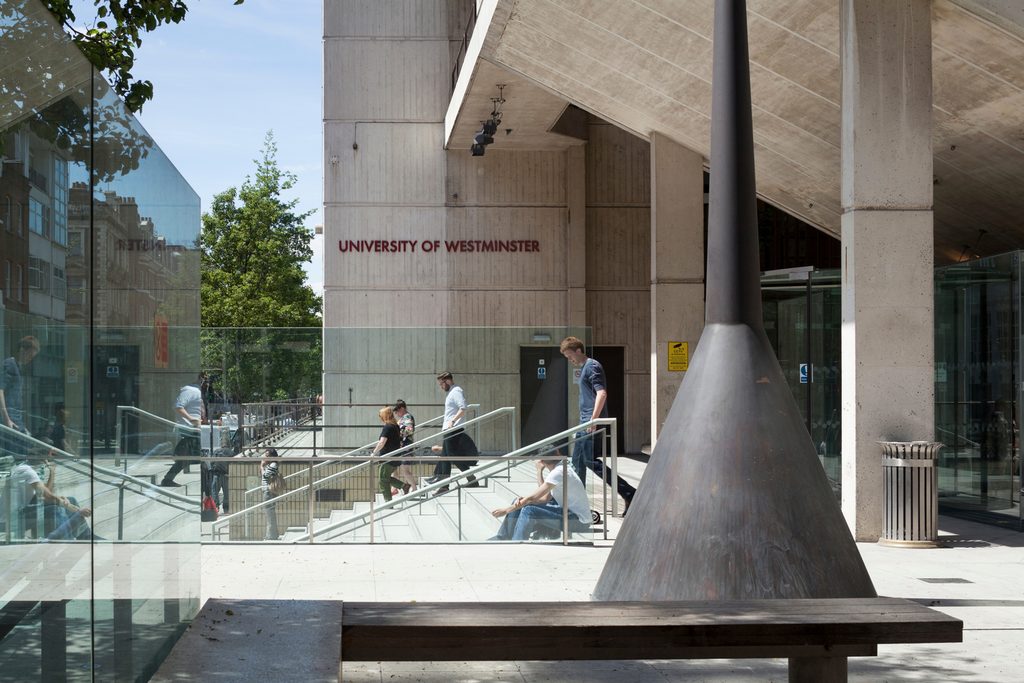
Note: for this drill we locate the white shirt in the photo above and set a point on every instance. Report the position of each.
(23, 481)
(579, 503)
(191, 399)
(455, 402)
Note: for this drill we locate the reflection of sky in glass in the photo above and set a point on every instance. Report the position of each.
(160, 191)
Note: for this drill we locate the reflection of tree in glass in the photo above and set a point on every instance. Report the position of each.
(115, 32)
(47, 85)
(118, 144)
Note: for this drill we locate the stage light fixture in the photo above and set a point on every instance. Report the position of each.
(485, 136)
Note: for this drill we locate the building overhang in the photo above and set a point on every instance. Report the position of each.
(645, 66)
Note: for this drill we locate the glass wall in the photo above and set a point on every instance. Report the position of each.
(99, 273)
(977, 374)
(265, 391)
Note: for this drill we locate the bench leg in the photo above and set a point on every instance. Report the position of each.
(817, 670)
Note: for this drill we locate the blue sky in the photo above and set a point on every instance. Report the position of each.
(222, 79)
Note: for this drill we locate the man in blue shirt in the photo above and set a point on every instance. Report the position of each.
(12, 385)
(593, 403)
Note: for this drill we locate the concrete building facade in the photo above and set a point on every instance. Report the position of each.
(889, 127)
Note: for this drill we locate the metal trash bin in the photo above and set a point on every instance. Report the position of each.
(911, 493)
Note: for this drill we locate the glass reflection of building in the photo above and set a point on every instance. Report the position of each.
(98, 265)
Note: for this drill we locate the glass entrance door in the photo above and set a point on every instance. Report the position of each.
(802, 319)
(977, 338)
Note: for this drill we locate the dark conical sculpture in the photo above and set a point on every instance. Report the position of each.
(734, 503)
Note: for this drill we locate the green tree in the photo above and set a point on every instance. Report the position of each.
(114, 33)
(254, 290)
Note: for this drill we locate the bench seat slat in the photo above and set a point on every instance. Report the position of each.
(609, 630)
(639, 614)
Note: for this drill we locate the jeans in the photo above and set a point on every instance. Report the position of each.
(271, 512)
(583, 459)
(519, 524)
(58, 525)
(218, 484)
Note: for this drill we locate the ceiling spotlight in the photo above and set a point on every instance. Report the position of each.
(477, 150)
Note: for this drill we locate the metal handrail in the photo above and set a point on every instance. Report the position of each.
(363, 462)
(418, 497)
(440, 418)
(91, 470)
(145, 413)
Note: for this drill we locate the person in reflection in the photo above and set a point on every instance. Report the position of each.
(406, 429)
(189, 411)
(458, 442)
(57, 432)
(38, 506)
(269, 471)
(12, 385)
(389, 441)
(593, 403)
(541, 511)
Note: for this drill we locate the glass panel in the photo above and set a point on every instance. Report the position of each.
(977, 307)
(144, 349)
(100, 564)
(342, 488)
(45, 550)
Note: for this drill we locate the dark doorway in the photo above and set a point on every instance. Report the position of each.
(613, 359)
(115, 383)
(543, 392)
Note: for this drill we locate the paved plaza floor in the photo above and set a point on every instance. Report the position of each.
(977, 575)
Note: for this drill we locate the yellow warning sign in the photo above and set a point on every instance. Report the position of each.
(678, 356)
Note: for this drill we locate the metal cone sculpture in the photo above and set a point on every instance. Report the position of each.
(734, 503)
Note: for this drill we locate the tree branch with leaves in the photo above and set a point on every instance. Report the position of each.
(110, 39)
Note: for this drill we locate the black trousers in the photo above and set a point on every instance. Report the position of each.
(457, 444)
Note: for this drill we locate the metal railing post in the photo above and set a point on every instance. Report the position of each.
(615, 467)
(565, 501)
(120, 512)
(311, 496)
(117, 438)
(458, 492)
(373, 497)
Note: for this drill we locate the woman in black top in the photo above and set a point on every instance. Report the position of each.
(390, 440)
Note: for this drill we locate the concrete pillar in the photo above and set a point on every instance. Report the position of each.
(677, 265)
(887, 241)
(576, 239)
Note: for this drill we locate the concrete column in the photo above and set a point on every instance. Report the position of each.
(887, 241)
(576, 237)
(677, 265)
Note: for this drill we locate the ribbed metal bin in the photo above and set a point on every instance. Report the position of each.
(911, 493)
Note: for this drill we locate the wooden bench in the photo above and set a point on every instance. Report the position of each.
(816, 636)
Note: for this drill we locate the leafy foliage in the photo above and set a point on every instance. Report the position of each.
(51, 90)
(116, 32)
(254, 288)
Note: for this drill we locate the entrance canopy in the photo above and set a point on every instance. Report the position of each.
(645, 66)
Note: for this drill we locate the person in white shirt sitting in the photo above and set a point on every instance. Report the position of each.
(542, 509)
